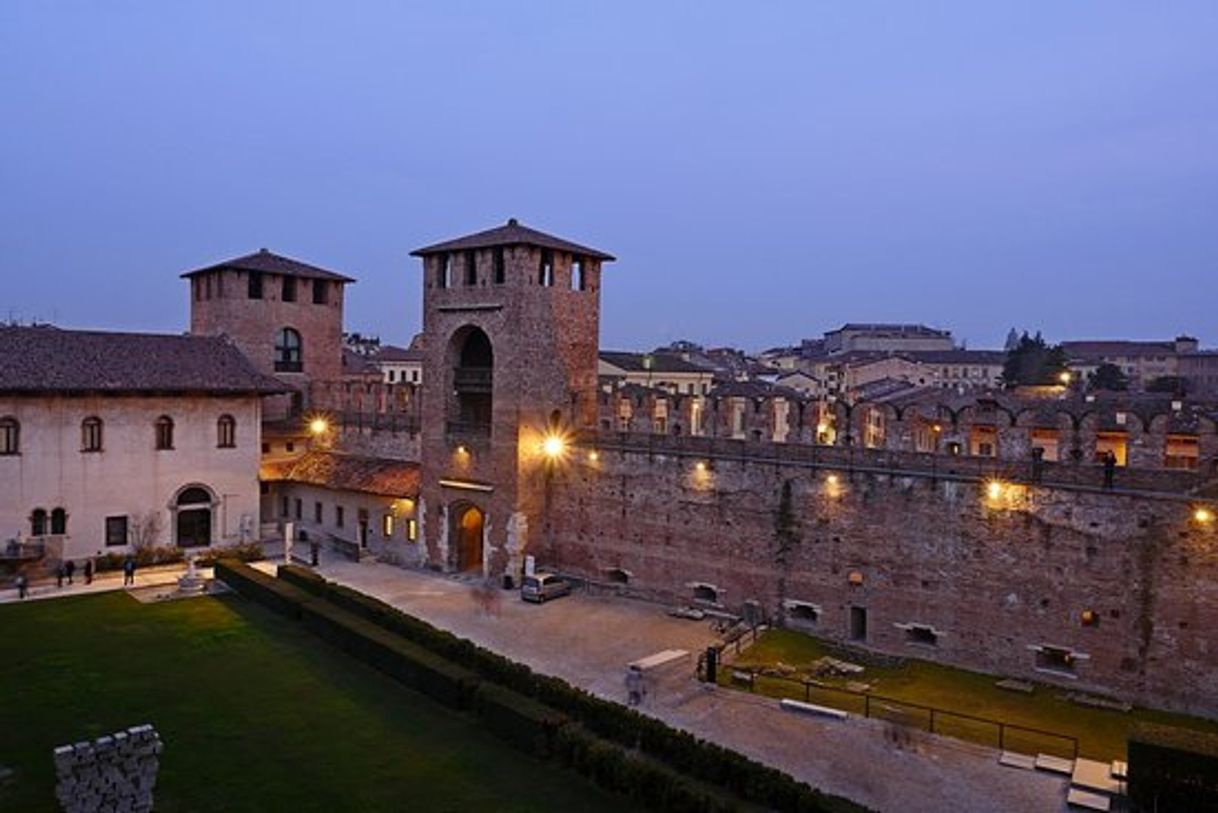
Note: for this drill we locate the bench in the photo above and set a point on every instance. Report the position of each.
(811, 708)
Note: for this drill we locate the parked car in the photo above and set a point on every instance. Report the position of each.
(541, 587)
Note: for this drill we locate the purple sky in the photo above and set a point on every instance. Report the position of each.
(763, 171)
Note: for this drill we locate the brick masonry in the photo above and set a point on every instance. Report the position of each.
(112, 774)
(1125, 583)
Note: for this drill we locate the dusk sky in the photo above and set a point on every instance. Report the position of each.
(763, 171)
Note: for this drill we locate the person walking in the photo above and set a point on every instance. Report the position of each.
(69, 567)
(60, 572)
(88, 571)
(128, 571)
(23, 586)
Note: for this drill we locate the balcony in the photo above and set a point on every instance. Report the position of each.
(472, 379)
(468, 430)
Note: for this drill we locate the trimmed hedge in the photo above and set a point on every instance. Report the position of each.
(629, 773)
(702, 760)
(304, 578)
(528, 724)
(407, 663)
(1173, 768)
(280, 597)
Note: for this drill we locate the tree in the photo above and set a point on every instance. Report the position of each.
(786, 536)
(1033, 362)
(1108, 377)
(146, 529)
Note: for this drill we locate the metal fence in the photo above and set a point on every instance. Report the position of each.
(1001, 734)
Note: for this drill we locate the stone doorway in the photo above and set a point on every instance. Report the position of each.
(193, 518)
(468, 524)
(858, 623)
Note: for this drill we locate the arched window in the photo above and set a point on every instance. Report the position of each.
(38, 522)
(226, 432)
(287, 351)
(194, 496)
(10, 436)
(91, 434)
(59, 521)
(164, 432)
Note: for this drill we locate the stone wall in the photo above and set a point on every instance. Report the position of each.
(115, 774)
(1113, 592)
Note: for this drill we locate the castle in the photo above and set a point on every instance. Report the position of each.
(1050, 535)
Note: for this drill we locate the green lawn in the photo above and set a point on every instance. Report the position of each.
(1101, 733)
(255, 713)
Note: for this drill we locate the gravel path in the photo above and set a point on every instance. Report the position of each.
(587, 640)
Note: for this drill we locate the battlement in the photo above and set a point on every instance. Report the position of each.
(1044, 440)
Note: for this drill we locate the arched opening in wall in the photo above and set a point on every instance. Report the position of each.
(618, 576)
(468, 524)
(192, 525)
(473, 362)
(802, 613)
(706, 592)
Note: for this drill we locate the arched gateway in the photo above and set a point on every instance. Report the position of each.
(468, 524)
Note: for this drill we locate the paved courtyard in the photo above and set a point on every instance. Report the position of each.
(588, 639)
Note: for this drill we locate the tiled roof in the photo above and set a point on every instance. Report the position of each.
(511, 234)
(342, 472)
(391, 352)
(1095, 349)
(47, 359)
(270, 263)
(989, 357)
(660, 362)
(355, 364)
(889, 328)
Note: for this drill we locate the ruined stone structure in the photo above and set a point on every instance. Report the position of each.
(116, 773)
(510, 331)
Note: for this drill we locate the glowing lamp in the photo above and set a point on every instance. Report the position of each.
(593, 456)
(1203, 515)
(553, 446)
(1064, 378)
(319, 426)
(994, 489)
(831, 479)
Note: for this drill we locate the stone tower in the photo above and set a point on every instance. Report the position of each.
(286, 316)
(510, 330)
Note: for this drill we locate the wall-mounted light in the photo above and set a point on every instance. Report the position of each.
(994, 489)
(593, 456)
(553, 446)
(1203, 515)
(319, 426)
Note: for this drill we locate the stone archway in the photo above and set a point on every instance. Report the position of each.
(192, 520)
(468, 523)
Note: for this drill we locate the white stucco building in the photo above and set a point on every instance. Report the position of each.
(108, 440)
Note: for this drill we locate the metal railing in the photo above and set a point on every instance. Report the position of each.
(1004, 735)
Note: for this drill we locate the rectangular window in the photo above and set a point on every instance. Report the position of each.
(412, 530)
(91, 435)
(500, 267)
(471, 268)
(317, 513)
(289, 289)
(284, 508)
(339, 518)
(320, 289)
(577, 273)
(255, 285)
(387, 525)
(116, 531)
(299, 508)
(545, 273)
(443, 271)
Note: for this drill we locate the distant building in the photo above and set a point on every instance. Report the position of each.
(886, 338)
(399, 365)
(113, 440)
(660, 370)
(1141, 362)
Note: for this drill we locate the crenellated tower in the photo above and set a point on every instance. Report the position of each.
(510, 332)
